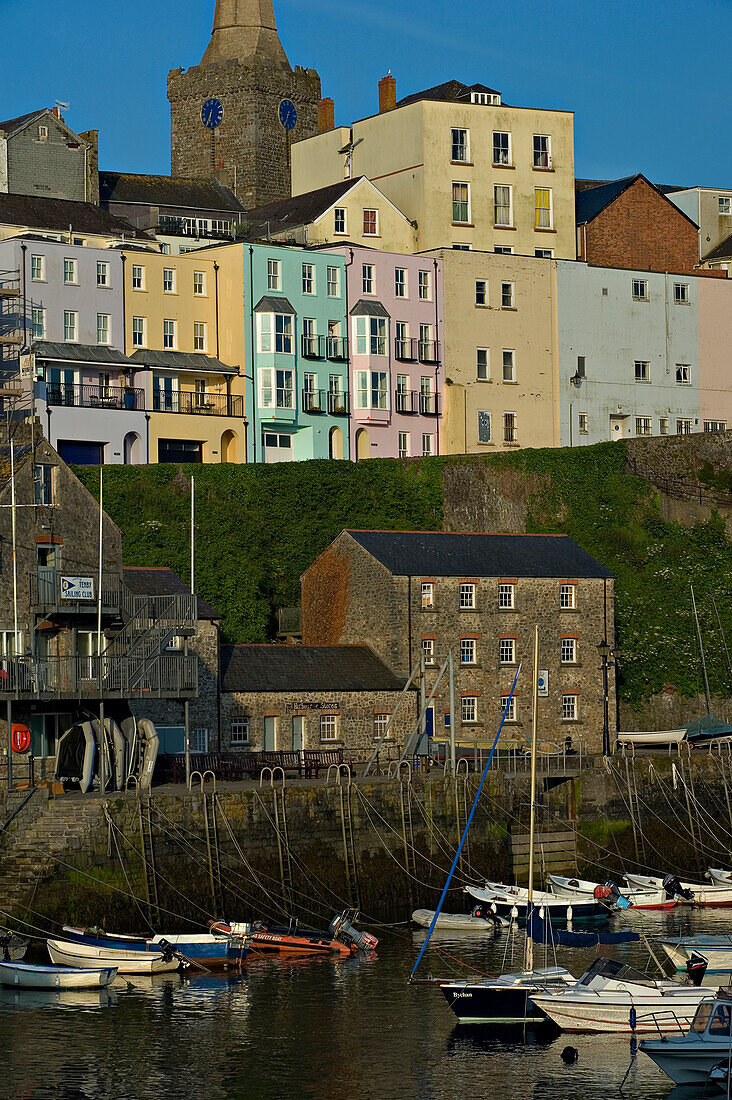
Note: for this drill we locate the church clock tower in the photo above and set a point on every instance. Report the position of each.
(234, 116)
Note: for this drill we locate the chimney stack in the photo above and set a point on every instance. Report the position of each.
(326, 114)
(387, 93)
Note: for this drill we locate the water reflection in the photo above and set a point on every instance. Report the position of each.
(319, 1029)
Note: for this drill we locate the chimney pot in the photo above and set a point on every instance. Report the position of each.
(387, 93)
(326, 114)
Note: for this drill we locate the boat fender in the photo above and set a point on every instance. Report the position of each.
(632, 1018)
(514, 913)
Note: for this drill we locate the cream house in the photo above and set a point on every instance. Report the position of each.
(470, 170)
(500, 341)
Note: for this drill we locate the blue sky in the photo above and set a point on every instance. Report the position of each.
(645, 79)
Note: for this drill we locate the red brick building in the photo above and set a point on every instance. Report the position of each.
(630, 223)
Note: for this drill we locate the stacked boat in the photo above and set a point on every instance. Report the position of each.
(704, 1052)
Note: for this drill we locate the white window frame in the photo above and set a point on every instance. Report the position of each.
(200, 336)
(461, 202)
(663, 425)
(643, 425)
(570, 706)
(507, 651)
(683, 374)
(71, 325)
(469, 709)
(503, 189)
(468, 651)
(481, 292)
(427, 594)
(506, 596)
(340, 220)
(104, 326)
(540, 154)
(568, 651)
(329, 727)
(139, 326)
(427, 445)
(642, 369)
(71, 271)
(483, 364)
(715, 425)
(168, 280)
(510, 427)
(400, 282)
(459, 143)
(199, 284)
(681, 294)
(308, 278)
(334, 282)
(138, 277)
(724, 205)
(285, 338)
(381, 725)
(683, 425)
(368, 282)
(639, 290)
(467, 596)
(403, 445)
(508, 298)
(170, 334)
(369, 210)
(103, 273)
(428, 651)
(199, 740)
(274, 274)
(38, 269)
(508, 365)
(505, 157)
(425, 286)
(38, 322)
(511, 712)
(567, 597)
(541, 211)
(240, 730)
(582, 423)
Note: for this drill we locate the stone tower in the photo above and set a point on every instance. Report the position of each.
(246, 69)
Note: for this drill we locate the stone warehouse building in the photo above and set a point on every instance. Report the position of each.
(413, 595)
(283, 698)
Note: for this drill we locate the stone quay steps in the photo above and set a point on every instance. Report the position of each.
(36, 840)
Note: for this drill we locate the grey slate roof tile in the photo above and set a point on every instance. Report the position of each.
(305, 668)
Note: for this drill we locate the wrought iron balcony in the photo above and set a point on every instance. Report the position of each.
(201, 404)
(429, 404)
(406, 350)
(429, 351)
(94, 396)
(337, 347)
(313, 401)
(166, 676)
(313, 347)
(338, 403)
(405, 402)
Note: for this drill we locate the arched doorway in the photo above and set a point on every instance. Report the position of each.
(362, 444)
(131, 449)
(228, 447)
(335, 443)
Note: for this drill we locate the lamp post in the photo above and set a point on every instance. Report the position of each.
(606, 651)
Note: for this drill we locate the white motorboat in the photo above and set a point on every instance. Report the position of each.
(89, 956)
(583, 889)
(612, 997)
(460, 922)
(31, 976)
(720, 877)
(510, 901)
(652, 737)
(717, 950)
(713, 896)
(689, 1059)
(508, 999)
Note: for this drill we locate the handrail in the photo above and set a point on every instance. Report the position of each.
(190, 779)
(341, 769)
(17, 809)
(213, 777)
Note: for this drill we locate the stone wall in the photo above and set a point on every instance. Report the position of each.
(251, 150)
(678, 456)
(57, 168)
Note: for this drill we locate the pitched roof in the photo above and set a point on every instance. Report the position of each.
(451, 90)
(363, 308)
(82, 353)
(455, 554)
(38, 212)
(270, 304)
(143, 580)
(198, 194)
(305, 668)
(182, 360)
(12, 124)
(592, 200)
(723, 250)
(277, 217)
(21, 452)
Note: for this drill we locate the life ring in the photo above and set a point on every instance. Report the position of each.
(20, 738)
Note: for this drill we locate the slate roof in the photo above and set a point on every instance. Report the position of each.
(294, 212)
(12, 124)
(38, 212)
(82, 353)
(145, 580)
(448, 554)
(363, 308)
(591, 201)
(305, 668)
(270, 304)
(149, 190)
(181, 360)
(723, 250)
(20, 454)
(452, 91)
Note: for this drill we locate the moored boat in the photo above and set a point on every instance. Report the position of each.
(714, 896)
(510, 901)
(720, 877)
(639, 898)
(203, 947)
(504, 1000)
(89, 956)
(689, 1059)
(32, 976)
(613, 997)
(716, 949)
(341, 938)
(480, 919)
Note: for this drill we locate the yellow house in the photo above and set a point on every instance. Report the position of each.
(195, 387)
(471, 171)
(501, 352)
(352, 210)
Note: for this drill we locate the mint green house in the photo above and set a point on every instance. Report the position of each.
(296, 354)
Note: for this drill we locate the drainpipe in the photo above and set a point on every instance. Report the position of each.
(216, 281)
(253, 346)
(437, 365)
(24, 249)
(351, 442)
(124, 306)
(409, 620)
(147, 432)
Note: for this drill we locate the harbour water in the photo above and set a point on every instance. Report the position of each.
(353, 1030)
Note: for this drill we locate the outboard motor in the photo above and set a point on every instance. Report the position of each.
(673, 889)
(5, 946)
(696, 968)
(341, 929)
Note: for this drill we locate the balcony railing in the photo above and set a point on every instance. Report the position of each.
(338, 403)
(313, 401)
(429, 351)
(165, 676)
(406, 350)
(313, 347)
(49, 593)
(94, 396)
(405, 402)
(201, 404)
(337, 347)
(180, 227)
(429, 404)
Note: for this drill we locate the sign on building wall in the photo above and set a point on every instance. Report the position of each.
(543, 683)
(77, 588)
(332, 705)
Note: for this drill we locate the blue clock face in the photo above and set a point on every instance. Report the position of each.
(288, 114)
(212, 113)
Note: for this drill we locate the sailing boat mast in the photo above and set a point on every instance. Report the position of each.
(701, 651)
(529, 962)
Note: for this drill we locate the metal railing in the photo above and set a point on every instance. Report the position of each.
(313, 347)
(313, 401)
(166, 675)
(429, 404)
(338, 403)
(337, 347)
(405, 349)
(405, 401)
(202, 404)
(429, 351)
(47, 591)
(88, 396)
(319, 401)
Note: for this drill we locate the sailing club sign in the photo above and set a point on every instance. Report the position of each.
(77, 588)
(332, 705)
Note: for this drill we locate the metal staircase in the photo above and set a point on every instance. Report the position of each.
(135, 659)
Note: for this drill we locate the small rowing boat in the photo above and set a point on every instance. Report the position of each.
(512, 901)
(688, 893)
(89, 957)
(341, 937)
(203, 947)
(481, 919)
(638, 897)
(32, 976)
(12, 946)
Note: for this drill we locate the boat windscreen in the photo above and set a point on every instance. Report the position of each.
(608, 968)
(701, 1019)
(721, 1019)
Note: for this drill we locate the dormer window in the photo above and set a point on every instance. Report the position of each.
(489, 99)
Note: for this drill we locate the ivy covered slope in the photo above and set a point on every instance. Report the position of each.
(259, 527)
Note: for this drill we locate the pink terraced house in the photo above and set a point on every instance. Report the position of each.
(394, 308)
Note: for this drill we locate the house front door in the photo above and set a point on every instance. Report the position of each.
(298, 733)
(270, 734)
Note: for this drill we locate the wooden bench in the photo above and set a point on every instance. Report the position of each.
(317, 760)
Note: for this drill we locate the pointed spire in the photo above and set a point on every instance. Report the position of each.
(244, 29)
